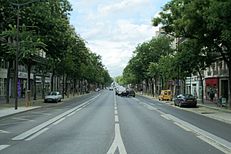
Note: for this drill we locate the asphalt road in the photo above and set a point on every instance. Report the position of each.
(102, 123)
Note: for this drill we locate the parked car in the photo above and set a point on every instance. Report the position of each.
(53, 96)
(165, 95)
(97, 89)
(185, 100)
(131, 92)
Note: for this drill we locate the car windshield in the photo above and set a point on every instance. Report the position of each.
(189, 96)
(53, 93)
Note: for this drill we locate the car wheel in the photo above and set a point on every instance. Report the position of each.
(180, 104)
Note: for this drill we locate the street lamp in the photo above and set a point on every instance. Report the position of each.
(18, 5)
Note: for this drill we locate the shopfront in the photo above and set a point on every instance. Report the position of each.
(212, 88)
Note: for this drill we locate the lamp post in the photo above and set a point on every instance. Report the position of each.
(18, 5)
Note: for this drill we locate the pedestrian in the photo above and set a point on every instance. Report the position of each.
(211, 95)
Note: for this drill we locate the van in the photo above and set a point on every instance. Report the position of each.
(165, 95)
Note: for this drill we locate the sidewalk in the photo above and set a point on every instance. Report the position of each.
(9, 109)
(208, 109)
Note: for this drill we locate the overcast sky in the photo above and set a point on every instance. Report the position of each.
(113, 28)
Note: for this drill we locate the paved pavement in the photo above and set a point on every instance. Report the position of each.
(9, 109)
(208, 109)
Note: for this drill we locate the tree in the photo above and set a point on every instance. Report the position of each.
(206, 21)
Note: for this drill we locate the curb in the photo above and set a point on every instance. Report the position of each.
(170, 103)
(37, 107)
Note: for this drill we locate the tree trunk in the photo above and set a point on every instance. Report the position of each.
(229, 94)
(202, 87)
(67, 87)
(52, 79)
(28, 76)
(43, 85)
(63, 82)
(35, 86)
(10, 64)
(153, 93)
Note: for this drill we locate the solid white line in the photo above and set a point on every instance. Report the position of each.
(214, 144)
(116, 112)
(3, 147)
(3, 131)
(23, 119)
(222, 143)
(55, 123)
(71, 114)
(49, 122)
(118, 142)
(183, 127)
(37, 134)
(115, 107)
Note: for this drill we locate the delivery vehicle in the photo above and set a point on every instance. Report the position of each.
(165, 95)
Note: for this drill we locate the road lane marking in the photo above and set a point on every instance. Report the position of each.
(43, 113)
(165, 116)
(116, 118)
(117, 142)
(72, 113)
(209, 138)
(214, 144)
(5, 132)
(57, 122)
(3, 147)
(23, 119)
(49, 122)
(37, 134)
(183, 127)
(217, 142)
(148, 106)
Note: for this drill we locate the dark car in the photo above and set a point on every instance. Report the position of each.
(128, 92)
(131, 93)
(185, 100)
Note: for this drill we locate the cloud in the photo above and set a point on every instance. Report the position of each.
(123, 5)
(113, 28)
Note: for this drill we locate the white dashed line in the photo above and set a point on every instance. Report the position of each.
(37, 134)
(5, 132)
(117, 142)
(3, 147)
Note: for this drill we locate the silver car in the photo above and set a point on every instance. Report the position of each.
(53, 96)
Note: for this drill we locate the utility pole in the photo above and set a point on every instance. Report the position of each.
(18, 5)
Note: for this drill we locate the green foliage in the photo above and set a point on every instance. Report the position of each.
(141, 65)
(44, 24)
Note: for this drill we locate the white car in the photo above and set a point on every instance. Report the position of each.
(53, 96)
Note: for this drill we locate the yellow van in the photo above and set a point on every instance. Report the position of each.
(165, 95)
